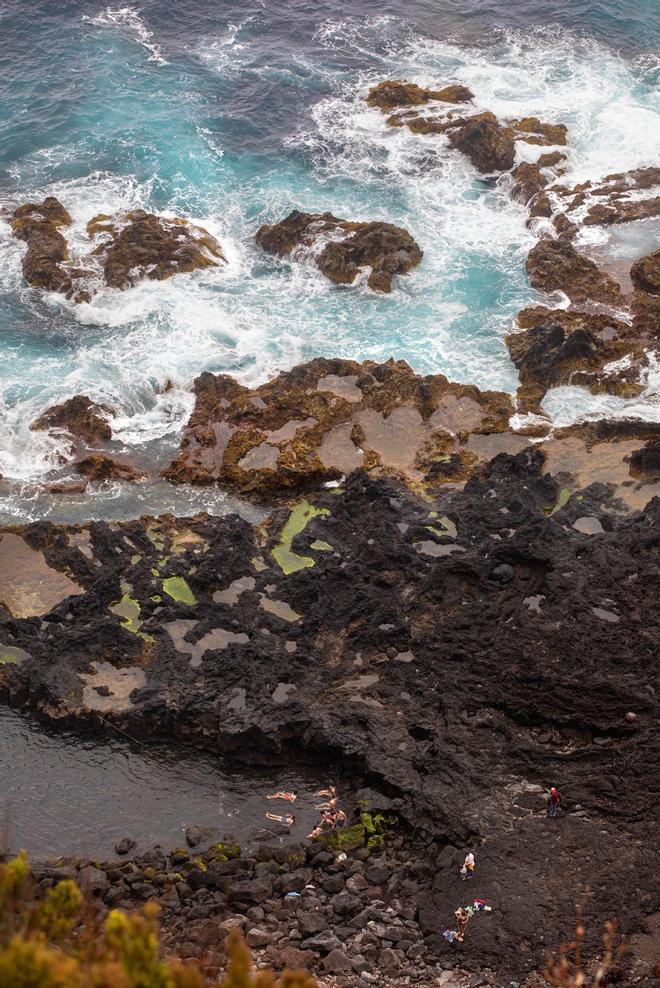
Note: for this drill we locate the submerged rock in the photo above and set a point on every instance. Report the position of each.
(98, 466)
(80, 417)
(327, 418)
(346, 247)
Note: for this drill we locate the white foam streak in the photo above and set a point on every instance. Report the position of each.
(128, 18)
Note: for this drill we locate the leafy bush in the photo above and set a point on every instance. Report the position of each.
(59, 942)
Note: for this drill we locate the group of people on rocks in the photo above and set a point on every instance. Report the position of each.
(331, 815)
(465, 913)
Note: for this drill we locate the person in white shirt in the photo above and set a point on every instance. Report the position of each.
(467, 871)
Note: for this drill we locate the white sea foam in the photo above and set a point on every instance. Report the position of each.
(258, 314)
(128, 19)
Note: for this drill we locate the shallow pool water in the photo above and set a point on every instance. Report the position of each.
(65, 795)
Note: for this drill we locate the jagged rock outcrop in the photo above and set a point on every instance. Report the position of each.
(387, 249)
(44, 262)
(555, 265)
(645, 273)
(535, 131)
(80, 417)
(562, 346)
(482, 138)
(133, 245)
(528, 182)
(136, 245)
(326, 418)
(393, 93)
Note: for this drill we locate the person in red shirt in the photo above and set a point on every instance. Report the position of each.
(554, 802)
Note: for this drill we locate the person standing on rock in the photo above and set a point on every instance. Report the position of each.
(467, 871)
(554, 802)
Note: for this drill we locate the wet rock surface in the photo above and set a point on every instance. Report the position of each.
(459, 685)
(339, 248)
(130, 247)
(325, 418)
(555, 265)
(137, 245)
(79, 417)
(40, 225)
(393, 93)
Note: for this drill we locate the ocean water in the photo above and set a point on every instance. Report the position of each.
(234, 113)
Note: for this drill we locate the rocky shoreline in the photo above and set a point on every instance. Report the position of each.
(456, 612)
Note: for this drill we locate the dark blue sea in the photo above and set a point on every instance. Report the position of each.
(232, 114)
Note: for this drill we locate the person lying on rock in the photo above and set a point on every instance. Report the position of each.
(287, 820)
(554, 802)
(467, 871)
(290, 797)
(330, 805)
(330, 792)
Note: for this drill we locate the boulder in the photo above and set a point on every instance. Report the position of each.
(251, 893)
(555, 265)
(645, 273)
(125, 845)
(94, 880)
(336, 962)
(392, 93)
(258, 938)
(482, 138)
(80, 416)
(345, 904)
(386, 249)
(322, 943)
(136, 245)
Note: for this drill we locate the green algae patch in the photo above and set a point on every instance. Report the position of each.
(11, 655)
(564, 496)
(128, 609)
(349, 839)
(177, 588)
(283, 554)
(136, 559)
(321, 546)
(224, 851)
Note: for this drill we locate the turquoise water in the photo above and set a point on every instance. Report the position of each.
(234, 115)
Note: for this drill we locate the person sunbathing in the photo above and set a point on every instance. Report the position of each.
(287, 820)
(330, 792)
(316, 832)
(290, 797)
